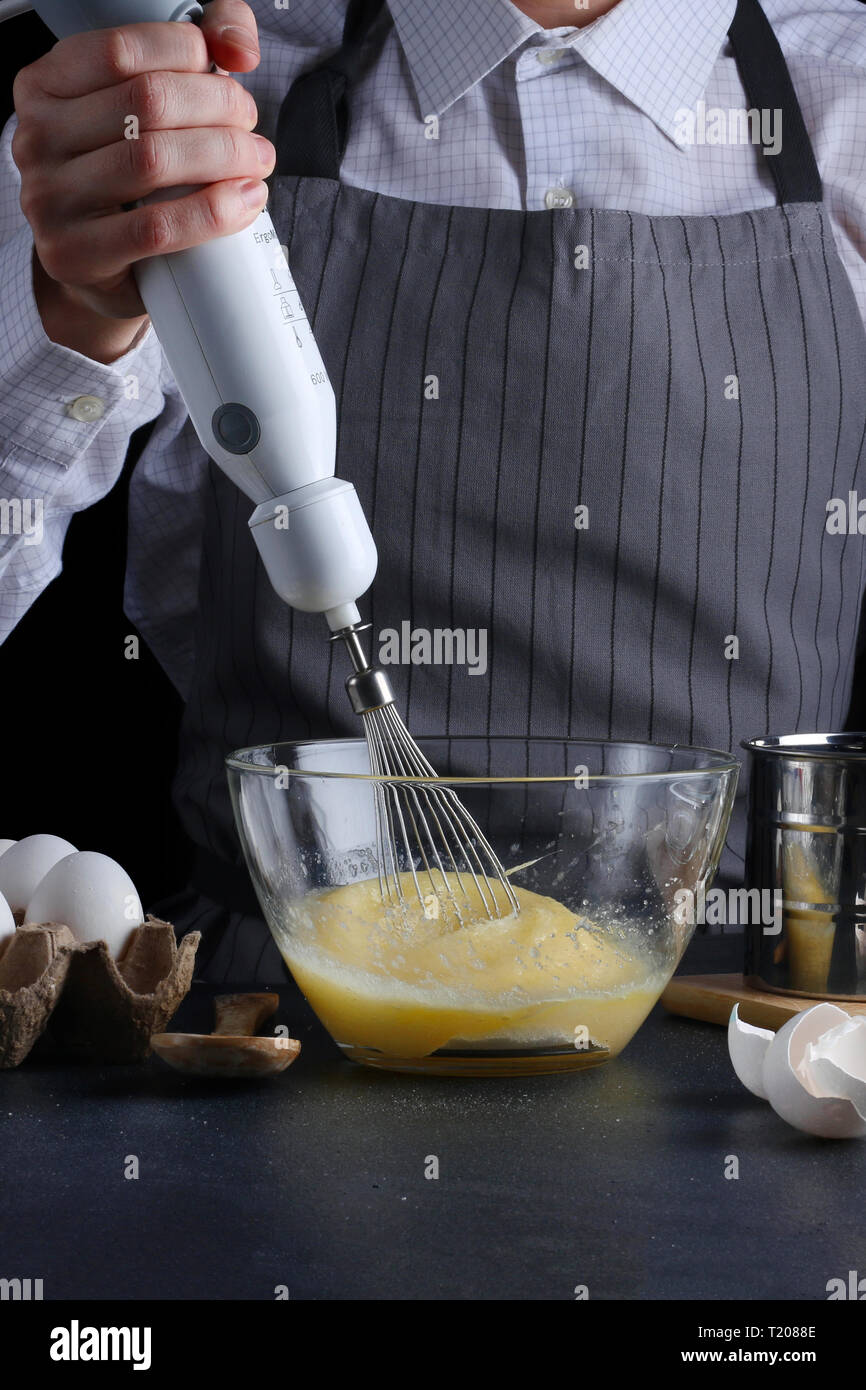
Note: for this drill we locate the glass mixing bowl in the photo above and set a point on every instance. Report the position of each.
(602, 841)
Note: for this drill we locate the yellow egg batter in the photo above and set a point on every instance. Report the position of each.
(810, 935)
(407, 981)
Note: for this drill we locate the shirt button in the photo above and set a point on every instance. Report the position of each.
(86, 408)
(550, 55)
(559, 198)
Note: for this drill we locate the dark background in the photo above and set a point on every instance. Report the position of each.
(66, 683)
(70, 699)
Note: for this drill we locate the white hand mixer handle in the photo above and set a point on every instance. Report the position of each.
(238, 341)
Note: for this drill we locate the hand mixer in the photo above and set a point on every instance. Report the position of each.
(236, 337)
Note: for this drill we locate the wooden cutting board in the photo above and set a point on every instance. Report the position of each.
(711, 998)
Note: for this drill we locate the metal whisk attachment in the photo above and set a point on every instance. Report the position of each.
(422, 829)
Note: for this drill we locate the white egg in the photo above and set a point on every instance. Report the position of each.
(747, 1046)
(7, 924)
(806, 1100)
(93, 896)
(6, 844)
(25, 864)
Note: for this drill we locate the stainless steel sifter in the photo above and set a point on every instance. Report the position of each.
(807, 843)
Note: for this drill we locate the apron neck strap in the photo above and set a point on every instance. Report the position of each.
(764, 74)
(313, 124)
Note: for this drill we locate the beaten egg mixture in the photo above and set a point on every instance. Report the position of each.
(411, 978)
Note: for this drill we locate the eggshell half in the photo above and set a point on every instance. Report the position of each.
(747, 1047)
(837, 1061)
(93, 896)
(25, 864)
(794, 1091)
(6, 844)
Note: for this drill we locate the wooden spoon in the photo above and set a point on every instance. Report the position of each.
(231, 1050)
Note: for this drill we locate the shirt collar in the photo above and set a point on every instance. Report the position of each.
(452, 44)
(657, 56)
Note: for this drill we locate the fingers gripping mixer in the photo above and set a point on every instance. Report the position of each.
(234, 331)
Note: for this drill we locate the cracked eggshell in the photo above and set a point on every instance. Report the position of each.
(793, 1089)
(91, 895)
(837, 1061)
(24, 864)
(747, 1047)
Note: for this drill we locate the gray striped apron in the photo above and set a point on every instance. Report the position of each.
(694, 383)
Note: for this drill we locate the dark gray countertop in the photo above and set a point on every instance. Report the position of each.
(611, 1178)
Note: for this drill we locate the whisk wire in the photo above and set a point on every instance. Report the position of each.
(430, 824)
(384, 837)
(471, 831)
(441, 837)
(390, 793)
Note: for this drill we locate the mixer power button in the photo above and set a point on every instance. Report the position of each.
(236, 427)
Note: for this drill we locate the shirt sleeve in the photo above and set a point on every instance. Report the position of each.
(58, 453)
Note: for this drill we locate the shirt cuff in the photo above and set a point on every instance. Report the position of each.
(40, 381)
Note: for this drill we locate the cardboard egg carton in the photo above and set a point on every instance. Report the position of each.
(91, 1005)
